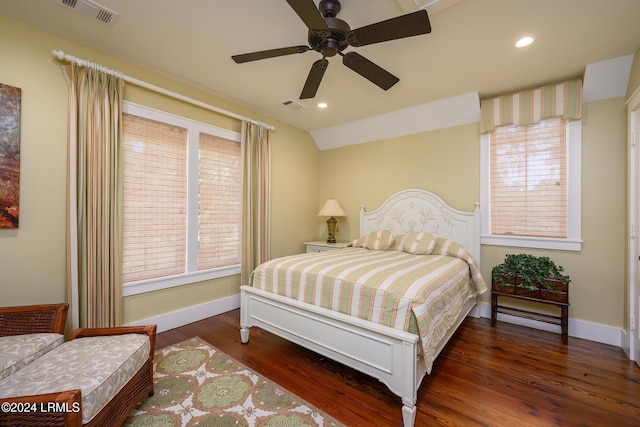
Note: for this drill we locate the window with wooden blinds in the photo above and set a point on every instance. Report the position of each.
(529, 180)
(220, 202)
(182, 200)
(155, 195)
(530, 185)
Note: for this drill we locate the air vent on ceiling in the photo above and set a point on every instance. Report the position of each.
(292, 104)
(91, 9)
(432, 6)
(423, 4)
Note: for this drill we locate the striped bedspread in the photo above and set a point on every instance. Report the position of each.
(421, 294)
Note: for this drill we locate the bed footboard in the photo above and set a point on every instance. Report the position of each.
(384, 353)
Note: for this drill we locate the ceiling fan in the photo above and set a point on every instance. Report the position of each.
(329, 36)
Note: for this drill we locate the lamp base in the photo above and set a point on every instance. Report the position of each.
(331, 230)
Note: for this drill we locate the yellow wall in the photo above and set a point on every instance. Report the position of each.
(367, 174)
(32, 257)
(447, 162)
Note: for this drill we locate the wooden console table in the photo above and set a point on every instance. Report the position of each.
(562, 320)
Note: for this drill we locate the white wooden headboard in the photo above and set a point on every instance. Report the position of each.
(420, 210)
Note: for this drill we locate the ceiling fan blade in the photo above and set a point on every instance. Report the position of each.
(409, 25)
(314, 78)
(271, 53)
(310, 15)
(370, 71)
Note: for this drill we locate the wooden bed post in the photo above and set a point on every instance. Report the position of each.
(409, 415)
(412, 377)
(244, 335)
(244, 317)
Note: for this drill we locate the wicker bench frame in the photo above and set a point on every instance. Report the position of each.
(14, 319)
(33, 319)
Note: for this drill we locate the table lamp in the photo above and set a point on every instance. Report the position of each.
(331, 209)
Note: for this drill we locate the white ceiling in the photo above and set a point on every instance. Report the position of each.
(468, 55)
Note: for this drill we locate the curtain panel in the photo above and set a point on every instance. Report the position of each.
(255, 197)
(532, 106)
(94, 195)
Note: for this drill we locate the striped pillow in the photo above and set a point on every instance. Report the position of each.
(379, 240)
(449, 248)
(419, 243)
(398, 242)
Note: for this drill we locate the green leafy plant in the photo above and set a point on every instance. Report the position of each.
(528, 271)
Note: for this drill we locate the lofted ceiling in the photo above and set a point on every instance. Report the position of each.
(470, 49)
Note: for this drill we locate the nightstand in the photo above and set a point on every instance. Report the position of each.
(320, 246)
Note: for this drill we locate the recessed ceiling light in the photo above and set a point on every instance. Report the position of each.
(322, 105)
(525, 41)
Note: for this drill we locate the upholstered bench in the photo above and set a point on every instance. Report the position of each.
(28, 332)
(17, 351)
(93, 379)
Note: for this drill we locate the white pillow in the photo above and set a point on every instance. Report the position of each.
(358, 243)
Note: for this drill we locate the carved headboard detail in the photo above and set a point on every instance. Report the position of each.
(420, 210)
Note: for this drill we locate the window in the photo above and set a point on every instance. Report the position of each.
(182, 200)
(530, 174)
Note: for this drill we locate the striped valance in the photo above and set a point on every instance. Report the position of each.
(531, 106)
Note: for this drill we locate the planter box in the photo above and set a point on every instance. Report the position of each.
(505, 289)
(560, 292)
(527, 292)
(558, 296)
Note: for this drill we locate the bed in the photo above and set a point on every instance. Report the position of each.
(397, 349)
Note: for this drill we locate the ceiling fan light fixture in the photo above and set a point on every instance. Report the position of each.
(524, 41)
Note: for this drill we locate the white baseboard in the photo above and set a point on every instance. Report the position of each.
(625, 343)
(577, 328)
(192, 314)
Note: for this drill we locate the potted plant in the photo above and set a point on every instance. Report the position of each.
(531, 276)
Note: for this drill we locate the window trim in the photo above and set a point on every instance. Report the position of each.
(192, 275)
(573, 242)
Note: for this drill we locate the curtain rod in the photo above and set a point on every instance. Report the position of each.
(61, 56)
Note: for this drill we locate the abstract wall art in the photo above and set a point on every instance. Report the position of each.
(10, 99)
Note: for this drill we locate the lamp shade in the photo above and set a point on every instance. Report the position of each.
(331, 208)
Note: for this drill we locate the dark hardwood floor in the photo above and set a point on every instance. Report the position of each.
(504, 376)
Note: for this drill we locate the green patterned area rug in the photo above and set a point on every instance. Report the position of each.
(198, 385)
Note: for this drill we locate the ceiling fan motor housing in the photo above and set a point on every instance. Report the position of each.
(335, 42)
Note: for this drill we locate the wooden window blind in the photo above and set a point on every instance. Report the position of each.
(155, 198)
(528, 175)
(220, 203)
